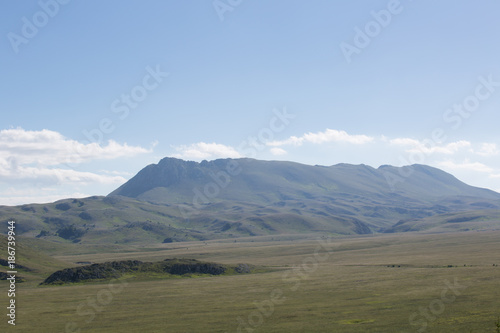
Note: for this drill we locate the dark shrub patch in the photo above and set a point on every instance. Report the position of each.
(44, 233)
(115, 269)
(28, 209)
(70, 232)
(4, 276)
(85, 216)
(195, 268)
(63, 206)
(105, 271)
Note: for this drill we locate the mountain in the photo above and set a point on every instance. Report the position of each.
(363, 197)
(177, 181)
(178, 200)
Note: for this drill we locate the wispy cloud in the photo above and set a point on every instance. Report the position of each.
(42, 157)
(55, 176)
(466, 165)
(278, 151)
(15, 196)
(488, 149)
(420, 146)
(462, 146)
(116, 173)
(203, 150)
(329, 135)
(45, 147)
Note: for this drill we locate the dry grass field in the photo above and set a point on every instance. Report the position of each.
(382, 283)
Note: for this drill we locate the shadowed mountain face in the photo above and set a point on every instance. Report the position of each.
(358, 195)
(265, 182)
(176, 200)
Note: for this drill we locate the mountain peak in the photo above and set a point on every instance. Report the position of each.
(359, 197)
(177, 179)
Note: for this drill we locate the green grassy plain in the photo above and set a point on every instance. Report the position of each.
(361, 284)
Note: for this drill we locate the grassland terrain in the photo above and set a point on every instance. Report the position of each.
(370, 283)
(241, 245)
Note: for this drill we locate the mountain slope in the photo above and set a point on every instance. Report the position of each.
(176, 181)
(175, 201)
(360, 194)
(474, 220)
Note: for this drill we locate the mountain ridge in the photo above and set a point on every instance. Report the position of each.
(178, 174)
(176, 200)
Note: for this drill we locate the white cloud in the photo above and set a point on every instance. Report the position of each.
(404, 142)
(488, 149)
(329, 135)
(202, 151)
(467, 165)
(278, 151)
(45, 147)
(46, 159)
(116, 173)
(416, 146)
(56, 176)
(15, 196)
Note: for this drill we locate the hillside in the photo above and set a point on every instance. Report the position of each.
(475, 220)
(176, 200)
(32, 262)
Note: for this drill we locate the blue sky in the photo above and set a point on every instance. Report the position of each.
(93, 91)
